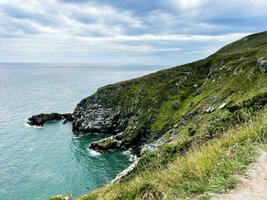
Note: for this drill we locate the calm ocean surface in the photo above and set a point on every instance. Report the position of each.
(36, 163)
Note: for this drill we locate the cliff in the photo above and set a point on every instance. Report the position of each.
(194, 127)
(140, 111)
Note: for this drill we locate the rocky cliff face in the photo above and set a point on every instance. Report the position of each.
(128, 110)
(140, 111)
(93, 117)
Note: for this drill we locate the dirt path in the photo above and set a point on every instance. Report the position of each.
(253, 185)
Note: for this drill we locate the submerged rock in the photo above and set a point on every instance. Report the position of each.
(39, 120)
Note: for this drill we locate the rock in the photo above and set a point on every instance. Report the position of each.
(96, 118)
(122, 140)
(61, 197)
(263, 65)
(39, 120)
(223, 105)
(209, 110)
(67, 118)
(104, 144)
(214, 99)
(68, 197)
(57, 197)
(189, 73)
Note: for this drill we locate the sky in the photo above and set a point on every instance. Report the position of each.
(151, 32)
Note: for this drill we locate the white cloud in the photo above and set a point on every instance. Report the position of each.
(258, 3)
(108, 43)
(209, 9)
(173, 37)
(105, 19)
(50, 29)
(190, 4)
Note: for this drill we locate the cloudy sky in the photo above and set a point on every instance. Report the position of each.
(162, 32)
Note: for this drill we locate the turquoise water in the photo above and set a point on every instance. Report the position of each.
(36, 163)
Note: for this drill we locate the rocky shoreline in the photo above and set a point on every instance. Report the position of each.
(41, 119)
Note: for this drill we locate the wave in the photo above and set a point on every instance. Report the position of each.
(131, 156)
(29, 126)
(93, 153)
(126, 171)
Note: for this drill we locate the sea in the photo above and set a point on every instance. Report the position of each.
(37, 163)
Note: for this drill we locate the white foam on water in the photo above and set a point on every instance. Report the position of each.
(93, 153)
(132, 157)
(127, 153)
(77, 136)
(126, 171)
(29, 126)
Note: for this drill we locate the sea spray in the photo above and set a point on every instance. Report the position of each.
(93, 153)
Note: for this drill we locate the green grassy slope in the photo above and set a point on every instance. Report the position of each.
(208, 118)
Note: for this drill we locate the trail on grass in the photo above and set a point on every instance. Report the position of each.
(253, 184)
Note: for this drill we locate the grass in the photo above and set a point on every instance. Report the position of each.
(203, 170)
